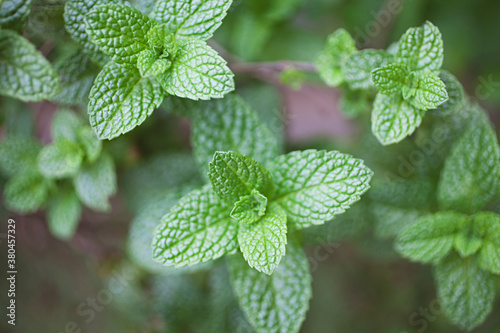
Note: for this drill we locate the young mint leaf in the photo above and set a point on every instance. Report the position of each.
(96, 182)
(313, 186)
(489, 257)
(339, 46)
(469, 240)
(277, 303)
(89, 142)
(18, 154)
(430, 91)
(26, 192)
(358, 67)
(421, 48)
(121, 99)
(393, 118)
(119, 31)
(263, 242)
(65, 125)
(196, 230)
(456, 94)
(471, 173)
(390, 79)
(187, 18)
(26, 74)
(149, 65)
(250, 208)
(197, 72)
(430, 238)
(230, 124)
(234, 175)
(466, 292)
(60, 159)
(63, 214)
(13, 13)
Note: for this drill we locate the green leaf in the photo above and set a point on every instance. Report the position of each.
(149, 65)
(469, 240)
(430, 238)
(119, 31)
(197, 229)
(430, 92)
(65, 125)
(313, 186)
(187, 18)
(393, 119)
(263, 242)
(466, 292)
(18, 154)
(471, 173)
(421, 48)
(60, 159)
(489, 256)
(276, 303)
(250, 208)
(390, 79)
(390, 220)
(230, 124)
(63, 214)
(26, 192)
(96, 182)
(197, 72)
(339, 46)
(456, 94)
(120, 100)
(358, 67)
(26, 74)
(234, 175)
(91, 145)
(13, 13)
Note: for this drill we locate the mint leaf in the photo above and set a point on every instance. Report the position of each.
(65, 125)
(466, 292)
(393, 118)
(18, 154)
(489, 257)
(339, 46)
(188, 18)
(456, 94)
(26, 74)
(263, 242)
(148, 65)
(63, 214)
(276, 303)
(470, 176)
(313, 186)
(120, 100)
(430, 238)
(430, 92)
(60, 159)
(230, 124)
(119, 31)
(197, 72)
(26, 192)
(390, 79)
(234, 175)
(358, 67)
(96, 182)
(89, 142)
(421, 48)
(250, 208)
(13, 13)
(469, 240)
(197, 229)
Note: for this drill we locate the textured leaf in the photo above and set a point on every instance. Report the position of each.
(191, 18)
(393, 119)
(234, 175)
(26, 192)
(96, 182)
(63, 215)
(471, 173)
(469, 240)
(119, 31)
(120, 100)
(196, 230)
(65, 125)
(60, 159)
(466, 292)
(456, 94)
(313, 186)
(26, 74)
(263, 242)
(339, 46)
(422, 48)
(18, 154)
(89, 142)
(390, 79)
(230, 124)
(249, 208)
(13, 13)
(430, 238)
(429, 93)
(197, 72)
(148, 65)
(489, 257)
(276, 303)
(358, 67)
